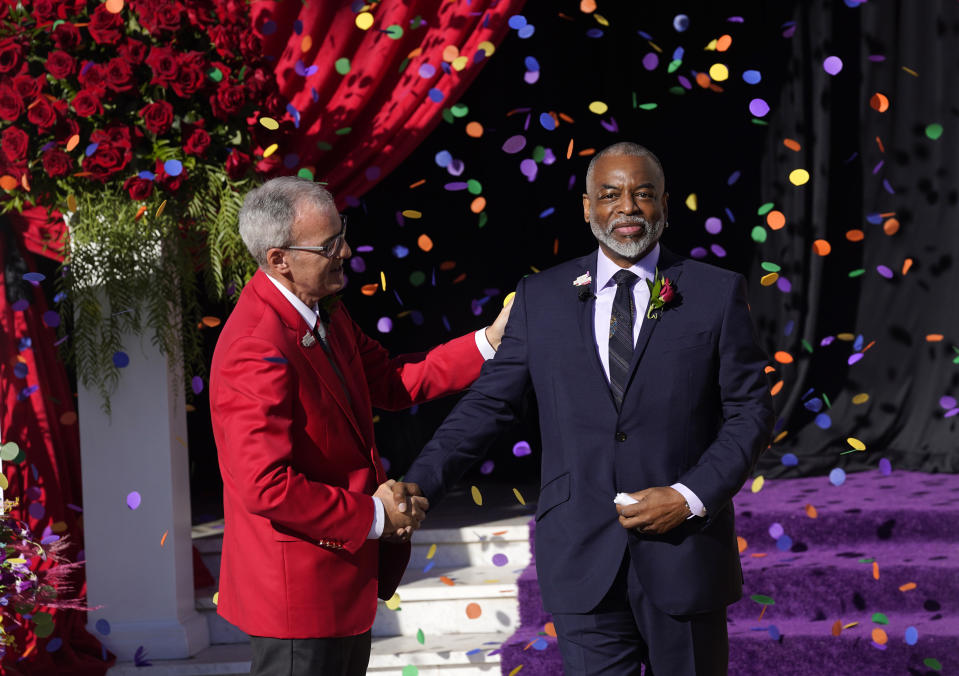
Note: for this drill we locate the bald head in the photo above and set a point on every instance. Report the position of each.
(624, 148)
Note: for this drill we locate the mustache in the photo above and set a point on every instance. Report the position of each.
(628, 221)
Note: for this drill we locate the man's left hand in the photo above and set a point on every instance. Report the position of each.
(494, 332)
(657, 511)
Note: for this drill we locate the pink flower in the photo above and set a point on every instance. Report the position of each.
(667, 293)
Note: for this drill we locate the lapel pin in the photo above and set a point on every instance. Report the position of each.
(308, 339)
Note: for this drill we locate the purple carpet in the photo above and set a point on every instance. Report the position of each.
(861, 578)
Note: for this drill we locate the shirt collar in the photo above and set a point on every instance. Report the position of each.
(645, 267)
(309, 316)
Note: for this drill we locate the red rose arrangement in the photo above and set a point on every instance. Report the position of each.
(662, 292)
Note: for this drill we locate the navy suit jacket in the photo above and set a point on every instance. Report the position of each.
(696, 410)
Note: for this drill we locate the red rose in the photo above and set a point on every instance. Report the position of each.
(119, 75)
(42, 114)
(28, 87)
(43, 10)
(157, 117)
(666, 292)
(167, 17)
(56, 162)
(200, 16)
(112, 153)
(237, 164)
(197, 142)
(163, 63)
(104, 25)
(67, 37)
(60, 64)
(139, 188)
(11, 55)
(250, 46)
(171, 183)
(117, 135)
(11, 103)
(86, 103)
(93, 76)
(68, 126)
(228, 100)
(133, 51)
(14, 142)
(191, 76)
(226, 40)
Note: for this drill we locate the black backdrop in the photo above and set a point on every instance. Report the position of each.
(710, 146)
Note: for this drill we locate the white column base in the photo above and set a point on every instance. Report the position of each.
(161, 639)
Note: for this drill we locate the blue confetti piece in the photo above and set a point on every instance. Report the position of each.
(34, 277)
(678, 54)
(644, 35)
(857, 344)
(314, 94)
(517, 21)
(911, 636)
(92, 148)
(874, 219)
(814, 405)
(474, 651)
(173, 167)
(60, 297)
(594, 33)
(295, 114)
(400, 251)
(121, 359)
(526, 31)
(680, 23)
(823, 421)
(784, 543)
(20, 305)
(276, 360)
(752, 77)
(540, 644)
(298, 27)
(774, 631)
(837, 477)
(790, 325)
(790, 460)
(443, 158)
(547, 122)
(733, 177)
(54, 644)
(25, 393)
(268, 27)
(435, 95)
(531, 63)
(547, 212)
(20, 370)
(51, 318)
(146, 175)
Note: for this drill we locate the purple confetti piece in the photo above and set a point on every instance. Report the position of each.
(698, 253)
(888, 186)
(650, 61)
(875, 169)
(758, 107)
(384, 325)
(514, 144)
(832, 65)
(784, 285)
(456, 186)
(456, 167)
(531, 76)
(521, 449)
(364, 248)
(51, 318)
(853, 358)
(487, 467)
(357, 264)
(884, 271)
(684, 82)
(37, 510)
(500, 560)
(23, 394)
(529, 169)
(776, 530)
(133, 499)
(947, 402)
(713, 225)
(717, 250)
(885, 467)
(548, 157)
(951, 412)
(196, 384)
(372, 173)
(427, 70)
(610, 126)
(828, 340)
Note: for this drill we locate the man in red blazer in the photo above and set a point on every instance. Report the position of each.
(313, 533)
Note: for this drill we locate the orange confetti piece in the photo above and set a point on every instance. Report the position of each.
(776, 389)
(891, 226)
(909, 586)
(702, 79)
(500, 532)
(459, 278)
(837, 628)
(875, 570)
(776, 220)
(761, 613)
(446, 580)
(369, 289)
(450, 53)
(478, 205)
(879, 143)
(879, 102)
(811, 512)
(784, 357)
(446, 266)
(73, 142)
(306, 43)
(68, 418)
(473, 611)
(569, 149)
(741, 541)
(474, 129)
(769, 369)
(934, 337)
(549, 629)
(211, 321)
(556, 246)
(142, 210)
(586, 152)
(8, 182)
(855, 235)
(821, 247)
(587, 6)
(163, 539)
(879, 636)
(906, 266)
(114, 6)
(758, 555)
(792, 145)
(566, 118)
(724, 43)
(418, 183)
(871, 343)
(424, 242)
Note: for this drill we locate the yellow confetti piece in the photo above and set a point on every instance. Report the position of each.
(601, 20)
(364, 21)
(811, 512)
(272, 149)
(383, 280)
(770, 279)
(515, 670)
(71, 202)
(4, 485)
(510, 296)
(163, 538)
(160, 209)
(269, 123)
(394, 602)
(598, 107)
(477, 496)
(19, 559)
(779, 437)
(846, 337)
(655, 46)
(519, 496)
(798, 176)
(711, 47)
(719, 72)
(431, 552)
(412, 213)
(911, 71)
(850, 625)
(59, 526)
(459, 63)
(487, 47)
(216, 598)
(692, 202)
(757, 484)
(860, 398)
(855, 443)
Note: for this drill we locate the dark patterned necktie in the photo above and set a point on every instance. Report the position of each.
(621, 333)
(319, 332)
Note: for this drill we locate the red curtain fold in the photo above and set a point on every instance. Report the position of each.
(387, 112)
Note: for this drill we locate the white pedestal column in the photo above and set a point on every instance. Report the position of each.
(145, 588)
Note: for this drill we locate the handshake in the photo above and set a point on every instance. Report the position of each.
(404, 507)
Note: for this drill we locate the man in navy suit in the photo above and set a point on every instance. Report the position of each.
(651, 390)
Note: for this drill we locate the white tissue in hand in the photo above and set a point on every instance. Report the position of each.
(624, 499)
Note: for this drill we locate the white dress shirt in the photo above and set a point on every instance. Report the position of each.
(645, 269)
(312, 316)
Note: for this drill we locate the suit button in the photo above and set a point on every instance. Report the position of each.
(620, 436)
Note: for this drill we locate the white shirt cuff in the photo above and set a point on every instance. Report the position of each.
(696, 505)
(379, 520)
(483, 344)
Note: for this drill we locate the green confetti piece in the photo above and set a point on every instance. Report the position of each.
(764, 600)
(9, 451)
(417, 22)
(42, 618)
(648, 106)
(420, 637)
(403, 65)
(673, 65)
(765, 208)
(460, 110)
(933, 663)
(806, 346)
(677, 90)
(634, 100)
(215, 74)
(769, 267)
(866, 560)
(759, 234)
(448, 116)
(342, 65)
(344, 131)
(482, 219)
(880, 618)
(43, 630)
(826, 399)
(305, 173)
(323, 145)
(761, 123)
(856, 273)
(394, 32)
(417, 277)
(934, 131)
(539, 154)
(474, 187)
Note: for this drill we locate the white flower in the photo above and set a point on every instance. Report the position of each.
(583, 280)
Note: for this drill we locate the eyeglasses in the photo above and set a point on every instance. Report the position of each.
(330, 250)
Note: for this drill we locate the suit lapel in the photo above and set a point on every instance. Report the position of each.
(587, 324)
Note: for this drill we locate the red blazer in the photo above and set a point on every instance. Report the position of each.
(299, 464)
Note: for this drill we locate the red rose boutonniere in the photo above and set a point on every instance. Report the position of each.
(662, 292)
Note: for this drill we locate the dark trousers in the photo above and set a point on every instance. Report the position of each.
(626, 630)
(342, 656)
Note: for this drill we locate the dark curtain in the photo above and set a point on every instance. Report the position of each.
(868, 169)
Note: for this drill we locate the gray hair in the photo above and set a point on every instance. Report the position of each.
(623, 148)
(268, 212)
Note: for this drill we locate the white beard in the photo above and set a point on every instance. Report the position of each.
(633, 247)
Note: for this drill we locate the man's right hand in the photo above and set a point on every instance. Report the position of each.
(404, 507)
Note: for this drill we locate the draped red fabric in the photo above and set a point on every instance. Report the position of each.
(38, 412)
(356, 128)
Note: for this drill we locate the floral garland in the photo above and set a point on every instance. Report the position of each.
(138, 122)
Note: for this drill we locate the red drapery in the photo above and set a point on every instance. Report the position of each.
(387, 112)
